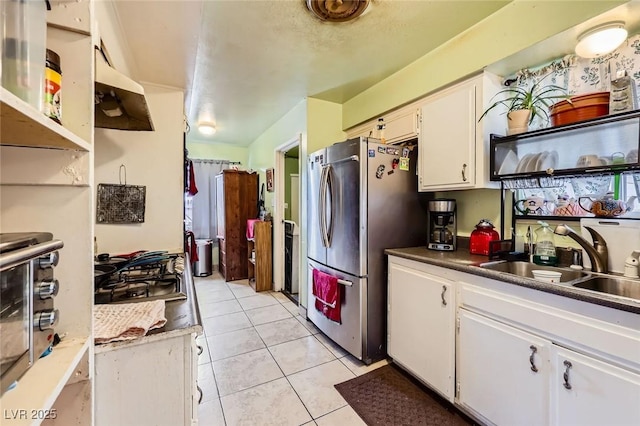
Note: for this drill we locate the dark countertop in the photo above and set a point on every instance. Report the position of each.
(462, 261)
(183, 317)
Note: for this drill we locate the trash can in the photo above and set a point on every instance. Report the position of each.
(202, 267)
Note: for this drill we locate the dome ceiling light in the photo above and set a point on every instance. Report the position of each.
(601, 40)
(337, 10)
(207, 129)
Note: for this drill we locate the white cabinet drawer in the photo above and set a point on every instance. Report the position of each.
(608, 340)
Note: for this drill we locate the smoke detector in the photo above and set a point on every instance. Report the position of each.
(337, 10)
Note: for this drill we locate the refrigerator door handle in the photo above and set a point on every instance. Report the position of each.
(342, 160)
(329, 190)
(322, 206)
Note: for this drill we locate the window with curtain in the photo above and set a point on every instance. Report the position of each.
(200, 209)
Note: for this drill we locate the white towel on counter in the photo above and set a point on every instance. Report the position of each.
(126, 321)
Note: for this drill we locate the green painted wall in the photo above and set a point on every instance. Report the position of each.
(324, 125)
(290, 167)
(262, 150)
(473, 205)
(218, 151)
(515, 27)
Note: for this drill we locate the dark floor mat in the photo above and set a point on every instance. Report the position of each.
(388, 396)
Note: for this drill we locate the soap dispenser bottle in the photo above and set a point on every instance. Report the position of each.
(631, 265)
(545, 251)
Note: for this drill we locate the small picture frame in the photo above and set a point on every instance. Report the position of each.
(269, 173)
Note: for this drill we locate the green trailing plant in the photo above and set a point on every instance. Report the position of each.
(537, 98)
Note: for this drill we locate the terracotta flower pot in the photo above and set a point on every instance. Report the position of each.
(583, 107)
(518, 121)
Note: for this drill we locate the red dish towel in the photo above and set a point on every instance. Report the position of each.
(192, 180)
(327, 293)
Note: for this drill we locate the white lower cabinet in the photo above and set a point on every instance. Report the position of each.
(586, 391)
(503, 373)
(150, 382)
(497, 381)
(522, 356)
(421, 321)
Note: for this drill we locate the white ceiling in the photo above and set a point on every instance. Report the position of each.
(244, 64)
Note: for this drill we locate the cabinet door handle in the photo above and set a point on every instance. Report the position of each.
(200, 349)
(201, 394)
(444, 290)
(566, 383)
(531, 360)
(464, 172)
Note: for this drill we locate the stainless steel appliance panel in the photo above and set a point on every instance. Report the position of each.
(345, 169)
(27, 290)
(395, 216)
(315, 247)
(372, 206)
(351, 334)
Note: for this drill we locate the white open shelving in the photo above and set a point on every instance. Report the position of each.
(37, 391)
(46, 185)
(23, 125)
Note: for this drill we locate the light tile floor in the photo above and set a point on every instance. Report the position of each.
(263, 364)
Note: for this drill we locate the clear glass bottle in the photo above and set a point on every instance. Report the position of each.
(545, 251)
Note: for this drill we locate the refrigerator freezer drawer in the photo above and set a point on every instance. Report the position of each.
(349, 333)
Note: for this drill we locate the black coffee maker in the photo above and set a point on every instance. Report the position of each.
(442, 231)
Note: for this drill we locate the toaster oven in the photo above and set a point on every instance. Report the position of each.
(27, 292)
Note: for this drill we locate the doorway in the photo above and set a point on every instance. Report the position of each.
(286, 214)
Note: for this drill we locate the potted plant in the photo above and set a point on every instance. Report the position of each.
(524, 104)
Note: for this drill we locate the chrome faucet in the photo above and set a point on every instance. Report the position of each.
(598, 253)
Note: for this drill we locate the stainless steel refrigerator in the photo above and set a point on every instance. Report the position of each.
(362, 198)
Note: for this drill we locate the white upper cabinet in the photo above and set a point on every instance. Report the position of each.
(395, 127)
(368, 129)
(453, 145)
(402, 125)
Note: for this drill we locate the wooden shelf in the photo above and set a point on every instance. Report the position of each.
(23, 125)
(260, 268)
(40, 386)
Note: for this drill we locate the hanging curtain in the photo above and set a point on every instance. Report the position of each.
(204, 221)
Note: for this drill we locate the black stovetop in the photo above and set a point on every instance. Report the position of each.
(154, 281)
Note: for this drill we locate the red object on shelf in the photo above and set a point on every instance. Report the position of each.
(581, 108)
(250, 224)
(481, 237)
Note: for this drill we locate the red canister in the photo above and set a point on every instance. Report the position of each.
(481, 237)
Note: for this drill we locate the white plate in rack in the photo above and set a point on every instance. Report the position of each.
(523, 163)
(548, 160)
(509, 165)
(531, 163)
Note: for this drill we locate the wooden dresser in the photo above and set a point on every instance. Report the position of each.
(236, 201)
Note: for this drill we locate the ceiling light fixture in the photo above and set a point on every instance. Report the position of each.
(337, 10)
(207, 129)
(601, 40)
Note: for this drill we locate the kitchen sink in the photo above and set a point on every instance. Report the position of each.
(611, 285)
(523, 269)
